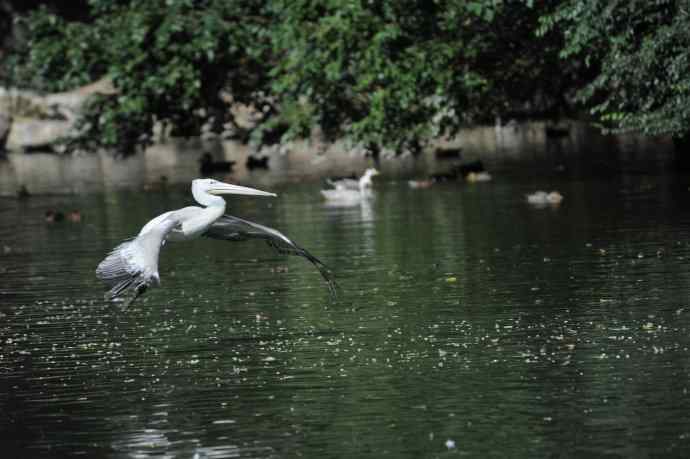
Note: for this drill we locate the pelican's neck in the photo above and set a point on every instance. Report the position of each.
(209, 200)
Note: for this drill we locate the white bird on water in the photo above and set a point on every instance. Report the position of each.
(132, 267)
(542, 198)
(475, 177)
(351, 190)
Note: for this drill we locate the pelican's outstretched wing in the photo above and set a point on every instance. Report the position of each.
(231, 228)
(132, 267)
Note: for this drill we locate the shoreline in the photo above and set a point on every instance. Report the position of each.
(514, 145)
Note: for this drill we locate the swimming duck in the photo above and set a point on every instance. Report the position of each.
(74, 216)
(474, 177)
(543, 198)
(351, 190)
(364, 182)
(420, 184)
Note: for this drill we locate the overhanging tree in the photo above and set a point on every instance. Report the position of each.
(169, 60)
(640, 52)
(389, 73)
(396, 72)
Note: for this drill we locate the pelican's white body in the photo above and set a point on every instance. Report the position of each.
(194, 220)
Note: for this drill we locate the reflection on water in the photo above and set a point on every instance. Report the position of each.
(175, 164)
(472, 324)
(582, 154)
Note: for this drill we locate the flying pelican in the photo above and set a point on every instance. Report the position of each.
(132, 267)
(350, 190)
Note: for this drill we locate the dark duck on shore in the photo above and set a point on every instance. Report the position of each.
(209, 166)
(257, 162)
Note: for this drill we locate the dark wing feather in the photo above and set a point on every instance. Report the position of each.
(229, 228)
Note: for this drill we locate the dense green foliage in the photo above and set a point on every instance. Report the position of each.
(389, 73)
(394, 72)
(168, 59)
(641, 52)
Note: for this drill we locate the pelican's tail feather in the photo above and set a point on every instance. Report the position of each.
(117, 268)
(121, 272)
(132, 267)
(127, 290)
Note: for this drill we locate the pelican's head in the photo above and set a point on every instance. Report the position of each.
(202, 188)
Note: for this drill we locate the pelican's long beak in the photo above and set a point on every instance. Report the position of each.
(226, 188)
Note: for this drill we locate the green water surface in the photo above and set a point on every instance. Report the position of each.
(470, 324)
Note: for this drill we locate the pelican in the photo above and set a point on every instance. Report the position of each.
(132, 267)
(542, 198)
(350, 190)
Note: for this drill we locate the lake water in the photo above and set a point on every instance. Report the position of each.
(470, 324)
